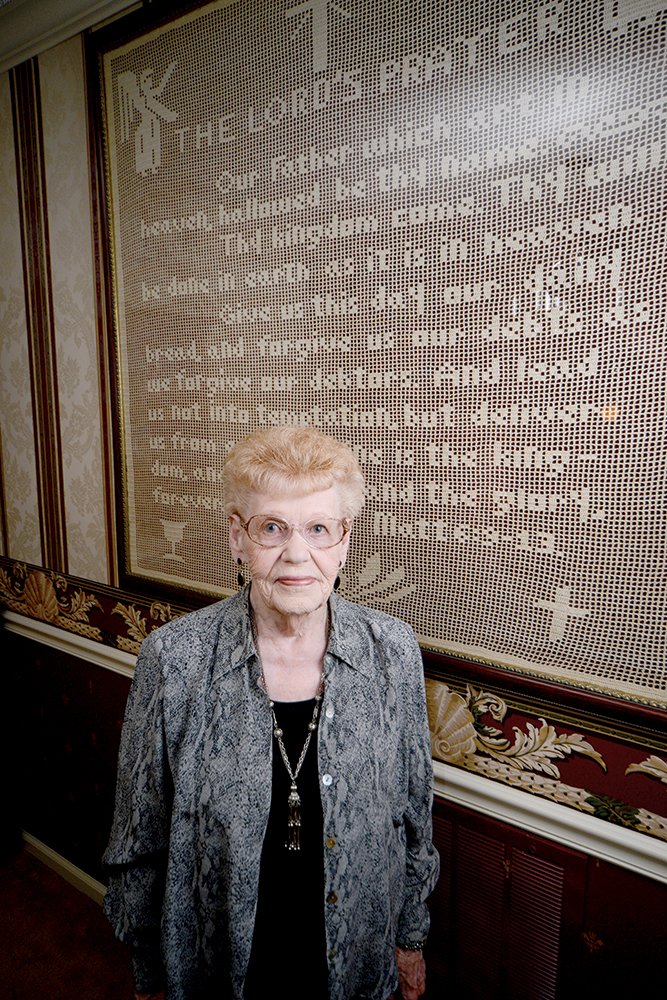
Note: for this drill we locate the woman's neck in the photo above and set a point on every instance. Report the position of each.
(270, 622)
(291, 649)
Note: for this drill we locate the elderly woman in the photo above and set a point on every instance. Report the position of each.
(272, 834)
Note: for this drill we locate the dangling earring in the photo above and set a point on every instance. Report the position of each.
(239, 576)
(336, 583)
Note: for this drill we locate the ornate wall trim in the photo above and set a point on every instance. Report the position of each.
(101, 614)
(617, 845)
(97, 653)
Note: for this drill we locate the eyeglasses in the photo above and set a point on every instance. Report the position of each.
(321, 533)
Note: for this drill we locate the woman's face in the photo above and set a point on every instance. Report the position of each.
(293, 578)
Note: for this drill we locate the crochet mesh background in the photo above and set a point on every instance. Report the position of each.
(436, 231)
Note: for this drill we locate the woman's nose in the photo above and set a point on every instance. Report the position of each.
(296, 549)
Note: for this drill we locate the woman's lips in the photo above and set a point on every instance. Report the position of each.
(295, 581)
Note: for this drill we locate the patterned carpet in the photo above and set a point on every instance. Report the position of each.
(56, 942)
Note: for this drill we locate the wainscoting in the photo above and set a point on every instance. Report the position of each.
(518, 916)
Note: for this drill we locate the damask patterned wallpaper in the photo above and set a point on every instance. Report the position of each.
(74, 306)
(19, 473)
(66, 248)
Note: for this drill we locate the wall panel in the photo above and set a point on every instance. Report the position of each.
(74, 307)
(65, 723)
(514, 916)
(36, 251)
(16, 419)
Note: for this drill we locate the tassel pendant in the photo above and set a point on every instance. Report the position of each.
(293, 820)
(293, 842)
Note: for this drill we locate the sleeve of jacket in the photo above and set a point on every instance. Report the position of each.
(137, 850)
(422, 861)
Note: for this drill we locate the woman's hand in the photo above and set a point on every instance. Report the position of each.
(411, 973)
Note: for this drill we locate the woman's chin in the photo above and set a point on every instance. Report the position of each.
(288, 599)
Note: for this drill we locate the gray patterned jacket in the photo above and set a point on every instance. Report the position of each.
(194, 790)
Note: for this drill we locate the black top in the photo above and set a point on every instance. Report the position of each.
(289, 945)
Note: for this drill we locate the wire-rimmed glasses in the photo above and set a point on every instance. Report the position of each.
(320, 533)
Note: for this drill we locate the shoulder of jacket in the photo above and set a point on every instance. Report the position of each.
(195, 626)
(359, 619)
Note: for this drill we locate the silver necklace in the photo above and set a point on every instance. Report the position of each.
(293, 842)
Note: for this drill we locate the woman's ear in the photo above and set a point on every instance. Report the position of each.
(237, 538)
(344, 546)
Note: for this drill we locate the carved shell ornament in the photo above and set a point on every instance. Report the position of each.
(451, 722)
(49, 598)
(461, 735)
(458, 733)
(41, 598)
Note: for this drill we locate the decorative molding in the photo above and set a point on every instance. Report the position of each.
(75, 876)
(463, 733)
(47, 596)
(27, 28)
(98, 653)
(595, 837)
(98, 612)
(459, 731)
(653, 766)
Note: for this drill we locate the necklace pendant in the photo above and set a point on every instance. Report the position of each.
(293, 842)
